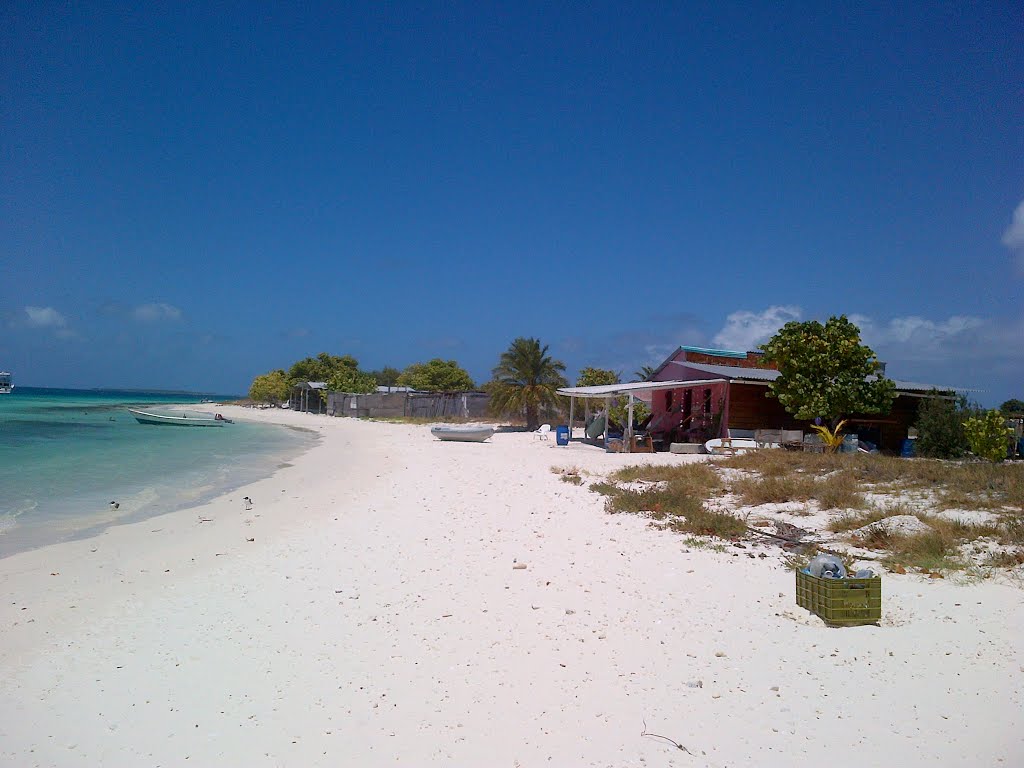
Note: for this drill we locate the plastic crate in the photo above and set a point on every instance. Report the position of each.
(840, 602)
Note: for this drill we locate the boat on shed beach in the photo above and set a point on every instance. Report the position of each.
(462, 434)
(183, 419)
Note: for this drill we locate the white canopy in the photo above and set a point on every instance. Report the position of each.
(636, 388)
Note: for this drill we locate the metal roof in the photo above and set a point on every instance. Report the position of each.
(716, 352)
(768, 374)
(731, 371)
(608, 390)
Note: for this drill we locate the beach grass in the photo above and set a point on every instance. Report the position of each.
(677, 504)
(571, 475)
(677, 497)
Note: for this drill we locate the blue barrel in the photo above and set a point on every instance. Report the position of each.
(562, 435)
(907, 450)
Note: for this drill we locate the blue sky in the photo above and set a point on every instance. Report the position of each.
(192, 197)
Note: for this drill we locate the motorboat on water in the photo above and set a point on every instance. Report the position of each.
(6, 385)
(184, 419)
(467, 433)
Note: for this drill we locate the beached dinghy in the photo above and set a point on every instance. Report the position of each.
(180, 419)
(729, 445)
(463, 434)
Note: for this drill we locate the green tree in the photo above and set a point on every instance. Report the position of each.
(825, 371)
(350, 380)
(436, 375)
(1013, 407)
(594, 377)
(525, 380)
(321, 368)
(619, 410)
(988, 435)
(270, 387)
(386, 376)
(940, 426)
(645, 373)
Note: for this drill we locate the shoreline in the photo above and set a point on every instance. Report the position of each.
(74, 516)
(376, 617)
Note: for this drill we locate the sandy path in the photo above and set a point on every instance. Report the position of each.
(377, 620)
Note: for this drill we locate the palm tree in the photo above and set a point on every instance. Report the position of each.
(525, 379)
(645, 373)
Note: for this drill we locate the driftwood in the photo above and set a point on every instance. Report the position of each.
(666, 739)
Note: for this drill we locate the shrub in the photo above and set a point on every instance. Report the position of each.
(928, 551)
(695, 476)
(851, 522)
(988, 435)
(774, 489)
(679, 501)
(839, 492)
(940, 428)
(707, 522)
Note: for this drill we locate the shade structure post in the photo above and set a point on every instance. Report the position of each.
(607, 419)
(629, 426)
(572, 407)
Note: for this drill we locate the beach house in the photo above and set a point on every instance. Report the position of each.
(728, 396)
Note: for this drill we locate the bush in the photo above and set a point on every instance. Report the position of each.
(988, 435)
(940, 428)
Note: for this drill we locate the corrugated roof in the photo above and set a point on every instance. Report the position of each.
(767, 374)
(914, 386)
(731, 371)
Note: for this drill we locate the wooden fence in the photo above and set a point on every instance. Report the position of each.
(425, 405)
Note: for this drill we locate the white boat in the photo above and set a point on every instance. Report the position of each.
(462, 434)
(727, 446)
(180, 419)
(6, 386)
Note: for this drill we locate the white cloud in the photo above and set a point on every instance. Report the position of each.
(1013, 237)
(744, 330)
(45, 317)
(918, 338)
(159, 311)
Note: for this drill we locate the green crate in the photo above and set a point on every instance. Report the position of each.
(840, 602)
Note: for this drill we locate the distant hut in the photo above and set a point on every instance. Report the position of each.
(306, 397)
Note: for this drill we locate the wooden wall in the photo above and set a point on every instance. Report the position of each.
(750, 408)
(752, 360)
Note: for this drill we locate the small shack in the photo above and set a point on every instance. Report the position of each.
(306, 397)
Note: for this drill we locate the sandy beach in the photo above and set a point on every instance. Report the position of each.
(366, 611)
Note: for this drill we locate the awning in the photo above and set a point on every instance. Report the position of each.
(636, 388)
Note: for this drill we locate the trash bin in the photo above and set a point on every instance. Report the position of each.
(562, 435)
(907, 449)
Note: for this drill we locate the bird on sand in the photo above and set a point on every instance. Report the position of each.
(248, 502)
(114, 505)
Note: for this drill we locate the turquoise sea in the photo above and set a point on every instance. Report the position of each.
(66, 454)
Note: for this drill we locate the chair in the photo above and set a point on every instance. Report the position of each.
(542, 431)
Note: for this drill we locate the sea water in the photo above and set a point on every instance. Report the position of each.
(65, 455)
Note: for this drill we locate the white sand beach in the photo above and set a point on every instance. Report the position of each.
(366, 612)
